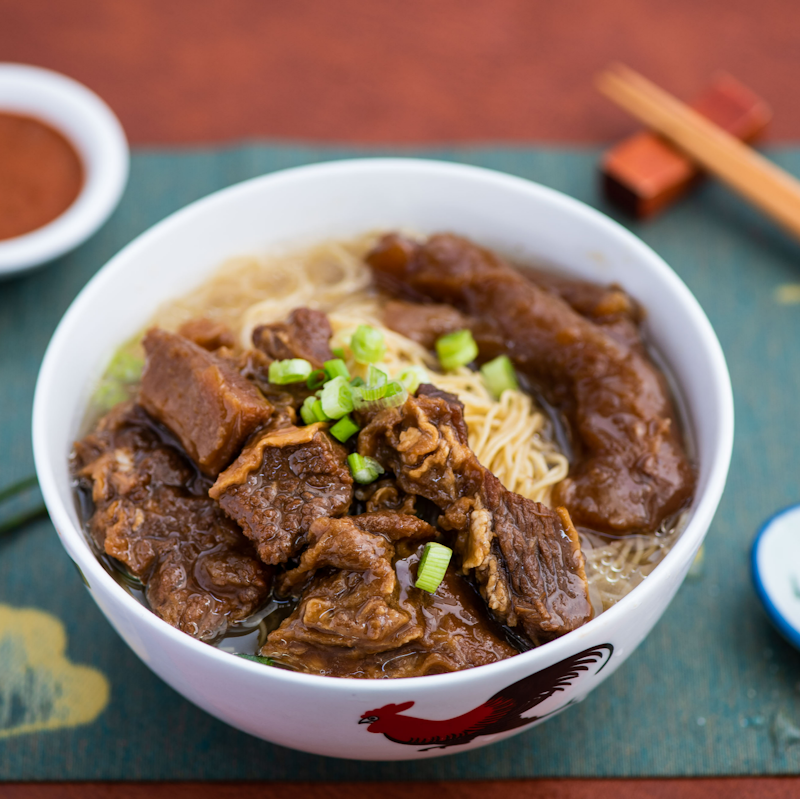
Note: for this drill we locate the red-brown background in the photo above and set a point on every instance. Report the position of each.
(180, 71)
(418, 71)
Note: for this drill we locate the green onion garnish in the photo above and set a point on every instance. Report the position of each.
(412, 377)
(307, 410)
(456, 349)
(108, 394)
(125, 367)
(394, 394)
(357, 382)
(336, 368)
(367, 344)
(374, 387)
(390, 395)
(499, 375)
(292, 370)
(256, 659)
(337, 398)
(316, 379)
(376, 377)
(432, 566)
(338, 352)
(363, 468)
(319, 414)
(344, 428)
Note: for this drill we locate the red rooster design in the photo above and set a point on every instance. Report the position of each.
(500, 713)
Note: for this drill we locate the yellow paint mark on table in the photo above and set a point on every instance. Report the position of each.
(40, 688)
(788, 294)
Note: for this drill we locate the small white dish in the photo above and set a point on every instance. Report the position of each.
(776, 571)
(95, 132)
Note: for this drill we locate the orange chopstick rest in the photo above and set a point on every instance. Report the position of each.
(644, 174)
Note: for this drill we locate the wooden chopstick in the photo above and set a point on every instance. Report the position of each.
(757, 179)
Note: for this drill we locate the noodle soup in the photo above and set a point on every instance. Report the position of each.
(518, 436)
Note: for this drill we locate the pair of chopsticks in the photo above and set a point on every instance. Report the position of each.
(754, 177)
(20, 518)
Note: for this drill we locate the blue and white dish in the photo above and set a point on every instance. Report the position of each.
(776, 571)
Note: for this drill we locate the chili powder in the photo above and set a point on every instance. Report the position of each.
(41, 174)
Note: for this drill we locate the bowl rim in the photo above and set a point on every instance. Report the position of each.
(105, 165)
(682, 551)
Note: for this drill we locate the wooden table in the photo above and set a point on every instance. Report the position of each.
(185, 72)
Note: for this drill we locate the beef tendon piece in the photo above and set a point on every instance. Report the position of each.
(153, 514)
(609, 306)
(201, 398)
(280, 483)
(525, 557)
(305, 334)
(423, 323)
(631, 471)
(360, 615)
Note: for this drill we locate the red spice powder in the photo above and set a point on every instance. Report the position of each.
(41, 174)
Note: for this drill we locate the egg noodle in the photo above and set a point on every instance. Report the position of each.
(511, 436)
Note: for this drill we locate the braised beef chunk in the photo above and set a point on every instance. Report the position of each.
(526, 557)
(455, 409)
(424, 443)
(361, 616)
(385, 495)
(285, 400)
(423, 323)
(305, 334)
(153, 514)
(201, 398)
(208, 334)
(280, 483)
(632, 472)
(396, 526)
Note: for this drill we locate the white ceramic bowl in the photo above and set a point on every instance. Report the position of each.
(94, 131)
(301, 206)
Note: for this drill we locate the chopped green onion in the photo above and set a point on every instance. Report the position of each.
(337, 398)
(363, 468)
(432, 566)
(319, 414)
(376, 377)
(316, 379)
(375, 385)
(125, 367)
(391, 395)
(367, 344)
(344, 428)
(412, 377)
(394, 394)
(108, 394)
(307, 410)
(456, 349)
(256, 659)
(499, 375)
(367, 394)
(338, 352)
(357, 382)
(336, 368)
(292, 370)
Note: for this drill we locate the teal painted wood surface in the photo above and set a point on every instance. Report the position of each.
(713, 690)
